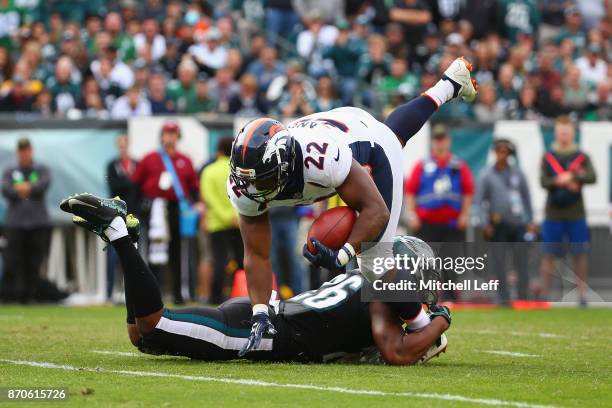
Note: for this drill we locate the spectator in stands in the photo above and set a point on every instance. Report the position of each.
(202, 101)
(564, 171)
(222, 88)
(24, 186)
(266, 68)
(400, 81)
(486, 109)
(572, 28)
(160, 103)
(507, 95)
(600, 103)
(593, 69)
(527, 106)
(141, 73)
(439, 193)
(312, 42)
(221, 219)
(116, 71)
(512, 24)
(553, 104)
(209, 53)
(326, 95)
(120, 39)
(161, 217)
(329, 10)
(506, 215)
(90, 104)
(248, 102)
(281, 20)
(119, 173)
(482, 15)
(280, 85)
(132, 104)
(396, 44)
(150, 44)
(576, 91)
(373, 66)
(413, 15)
(345, 54)
(64, 90)
(295, 102)
(182, 91)
(16, 99)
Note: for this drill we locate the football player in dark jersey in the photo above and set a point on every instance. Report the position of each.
(315, 326)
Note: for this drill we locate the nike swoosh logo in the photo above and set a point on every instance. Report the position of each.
(74, 201)
(337, 156)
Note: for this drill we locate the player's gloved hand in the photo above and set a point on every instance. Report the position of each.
(436, 310)
(261, 325)
(326, 257)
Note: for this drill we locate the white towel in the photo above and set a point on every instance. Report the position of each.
(158, 233)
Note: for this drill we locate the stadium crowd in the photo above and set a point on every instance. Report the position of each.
(123, 58)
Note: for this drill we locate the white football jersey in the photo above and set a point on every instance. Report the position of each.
(323, 157)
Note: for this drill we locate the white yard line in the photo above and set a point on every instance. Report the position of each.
(257, 383)
(116, 353)
(509, 353)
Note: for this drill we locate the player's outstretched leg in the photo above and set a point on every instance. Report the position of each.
(407, 119)
(107, 218)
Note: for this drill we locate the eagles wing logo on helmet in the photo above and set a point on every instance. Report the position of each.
(274, 147)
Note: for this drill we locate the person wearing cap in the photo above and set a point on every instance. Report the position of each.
(439, 193)
(506, 215)
(24, 186)
(156, 185)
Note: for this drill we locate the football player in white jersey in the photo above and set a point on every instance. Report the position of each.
(345, 151)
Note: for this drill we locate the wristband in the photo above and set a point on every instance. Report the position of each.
(345, 254)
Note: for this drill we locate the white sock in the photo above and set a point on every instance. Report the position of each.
(421, 320)
(260, 308)
(117, 229)
(441, 92)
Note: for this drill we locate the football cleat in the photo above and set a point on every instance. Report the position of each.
(261, 325)
(459, 74)
(436, 349)
(98, 212)
(132, 223)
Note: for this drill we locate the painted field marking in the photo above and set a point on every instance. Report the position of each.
(516, 333)
(510, 353)
(258, 383)
(116, 353)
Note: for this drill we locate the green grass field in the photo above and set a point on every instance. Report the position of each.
(565, 359)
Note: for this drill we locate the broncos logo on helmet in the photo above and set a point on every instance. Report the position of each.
(263, 156)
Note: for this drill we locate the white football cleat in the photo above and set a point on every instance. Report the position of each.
(436, 349)
(458, 73)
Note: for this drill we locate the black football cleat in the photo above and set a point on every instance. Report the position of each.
(132, 223)
(98, 212)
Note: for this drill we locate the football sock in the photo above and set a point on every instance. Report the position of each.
(116, 230)
(407, 119)
(441, 92)
(260, 308)
(141, 286)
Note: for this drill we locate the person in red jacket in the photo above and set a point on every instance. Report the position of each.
(156, 184)
(439, 193)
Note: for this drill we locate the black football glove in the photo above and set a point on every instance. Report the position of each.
(261, 325)
(326, 257)
(436, 310)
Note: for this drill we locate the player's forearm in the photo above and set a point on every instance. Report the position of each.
(413, 346)
(369, 225)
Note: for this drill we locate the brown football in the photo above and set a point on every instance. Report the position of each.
(332, 228)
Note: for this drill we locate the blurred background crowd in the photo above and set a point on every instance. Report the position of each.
(120, 59)
(124, 58)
